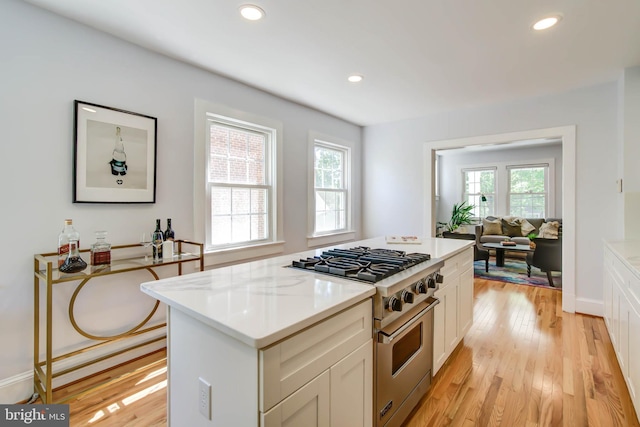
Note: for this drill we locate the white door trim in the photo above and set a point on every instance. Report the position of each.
(568, 135)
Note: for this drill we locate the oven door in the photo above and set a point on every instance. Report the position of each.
(404, 360)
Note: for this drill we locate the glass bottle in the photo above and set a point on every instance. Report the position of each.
(169, 235)
(73, 263)
(157, 239)
(101, 250)
(119, 157)
(67, 234)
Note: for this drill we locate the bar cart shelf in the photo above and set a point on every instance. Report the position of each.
(125, 259)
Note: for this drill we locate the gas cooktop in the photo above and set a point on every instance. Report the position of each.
(361, 263)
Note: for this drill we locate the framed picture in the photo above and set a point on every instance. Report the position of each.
(114, 155)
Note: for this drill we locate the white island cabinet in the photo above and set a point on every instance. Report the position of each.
(453, 317)
(261, 344)
(622, 309)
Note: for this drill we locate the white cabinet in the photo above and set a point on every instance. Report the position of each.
(454, 315)
(338, 397)
(321, 376)
(621, 313)
(308, 406)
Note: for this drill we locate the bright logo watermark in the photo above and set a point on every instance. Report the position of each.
(34, 415)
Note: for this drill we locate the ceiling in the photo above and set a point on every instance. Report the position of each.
(417, 56)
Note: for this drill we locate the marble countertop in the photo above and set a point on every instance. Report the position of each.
(261, 302)
(629, 252)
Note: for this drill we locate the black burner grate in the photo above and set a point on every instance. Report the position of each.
(361, 263)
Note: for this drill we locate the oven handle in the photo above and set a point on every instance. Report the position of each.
(386, 339)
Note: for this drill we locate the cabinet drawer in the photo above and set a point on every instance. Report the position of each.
(288, 365)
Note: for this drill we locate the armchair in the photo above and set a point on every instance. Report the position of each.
(479, 254)
(547, 257)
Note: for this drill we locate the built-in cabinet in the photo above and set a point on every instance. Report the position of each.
(621, 285)
(454, 315)
(321, 376)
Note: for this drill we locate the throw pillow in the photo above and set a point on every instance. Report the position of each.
(511, 229)
(526, 227)
(491, 227)
(549, 230)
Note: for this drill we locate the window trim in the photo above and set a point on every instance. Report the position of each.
(502, 181)
(547, 184)
(494, 169)
(204, 111)
(334, 236)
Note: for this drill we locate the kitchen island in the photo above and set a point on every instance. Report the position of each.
(259, 342)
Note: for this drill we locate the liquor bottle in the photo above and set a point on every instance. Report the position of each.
(119, 157)
(73, 263)
(101, 250)
(157, 239)
(169, 233)
(67, 234)
(168, 248)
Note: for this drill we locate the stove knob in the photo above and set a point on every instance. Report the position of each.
(431, 283)
(394, 304)
(439, 278)
(407, 297)
(421, 287)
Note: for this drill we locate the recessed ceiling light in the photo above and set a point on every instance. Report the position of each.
(547, 22)
(355, 78)
(251, 12)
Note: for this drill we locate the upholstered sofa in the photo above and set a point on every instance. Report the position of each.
(498, 229)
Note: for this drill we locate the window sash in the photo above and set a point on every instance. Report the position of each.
(331, 194)
(528, 203)
(481, 208)
(245, 215)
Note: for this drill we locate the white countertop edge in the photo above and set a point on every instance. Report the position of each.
(627, 251)
(265, 341)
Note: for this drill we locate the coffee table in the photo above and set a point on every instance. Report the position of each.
(500, 251)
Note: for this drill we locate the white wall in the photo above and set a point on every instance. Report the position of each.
(630, 129)
(47, 62)
(450, 165)
(393, 161)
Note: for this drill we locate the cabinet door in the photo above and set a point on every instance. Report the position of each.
(352, 389)
(308, 406)
(623, 334)
(451, 316)
(634, 358)
(607, 285)
(465, 302)
(439, 349)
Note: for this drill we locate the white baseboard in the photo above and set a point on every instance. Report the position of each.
(19, 388)
(590, 306)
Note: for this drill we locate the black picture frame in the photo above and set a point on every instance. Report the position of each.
(114, 155)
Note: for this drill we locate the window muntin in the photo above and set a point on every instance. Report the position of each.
(330, 188)
(479, 183)
(528, 191)
(240, 188)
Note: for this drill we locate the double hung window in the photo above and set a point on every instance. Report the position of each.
(480, 190)
(240, 177)
(528, 190)
(331, 191)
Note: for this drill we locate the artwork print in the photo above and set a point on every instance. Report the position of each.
(114, 156)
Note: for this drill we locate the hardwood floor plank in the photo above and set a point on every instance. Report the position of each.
(523, 363)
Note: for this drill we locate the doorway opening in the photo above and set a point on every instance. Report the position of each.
(567, 134)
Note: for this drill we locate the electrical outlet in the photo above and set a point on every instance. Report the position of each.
(204, 398)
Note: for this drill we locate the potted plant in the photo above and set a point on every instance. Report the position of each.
(460, 215)
(532, 236)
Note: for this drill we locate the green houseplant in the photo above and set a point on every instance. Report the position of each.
(460, 215)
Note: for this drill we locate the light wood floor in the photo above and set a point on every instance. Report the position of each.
(526, 363)
(523, 363)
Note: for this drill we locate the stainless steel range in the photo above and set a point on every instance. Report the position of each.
(403, 319)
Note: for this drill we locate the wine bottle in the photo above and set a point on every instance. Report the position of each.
(157, 239)
(169, 233)
(67, 234)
